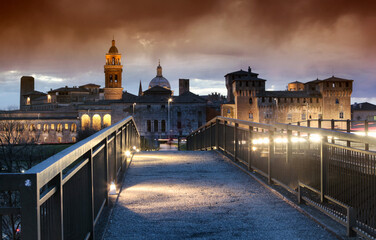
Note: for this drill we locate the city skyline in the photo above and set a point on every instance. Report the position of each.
(282, 41)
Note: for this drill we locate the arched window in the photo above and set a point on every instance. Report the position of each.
(73, 127)
(116, 80)
(97, 122)
(163, 126)
(74, 139)
(31, 127)
(59, 127)
(106, 120)
(113, 61)
(45, 127)
(85, 121)
(337, 101)
(155, 125)
(148, 125)
(110, 77)
(250, 100)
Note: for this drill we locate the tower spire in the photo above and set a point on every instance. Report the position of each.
(140, 90)
(159, 69)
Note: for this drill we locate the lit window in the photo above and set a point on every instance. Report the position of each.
(28, 101)
(66, 126)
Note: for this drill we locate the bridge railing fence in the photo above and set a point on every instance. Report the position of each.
(329, 169)
(63, 197)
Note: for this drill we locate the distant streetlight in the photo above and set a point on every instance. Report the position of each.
(168, 122)
(133, 108)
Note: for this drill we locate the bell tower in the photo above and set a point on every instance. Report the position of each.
(113, 74)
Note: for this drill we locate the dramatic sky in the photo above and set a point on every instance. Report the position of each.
(64, 42)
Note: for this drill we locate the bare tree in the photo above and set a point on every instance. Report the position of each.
(17, 153)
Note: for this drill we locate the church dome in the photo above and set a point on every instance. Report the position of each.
(113, 48)
(159, 80)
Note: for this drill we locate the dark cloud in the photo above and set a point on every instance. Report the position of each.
(282, 39)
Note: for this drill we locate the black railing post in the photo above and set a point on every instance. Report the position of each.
(224, 135)
(348, 130)
(332, 128)
(289, 146)
(366, 146)
(250, 148)
(319, 123)
(351, 222)
(107, 170)
(61, 200)
(210, 136)
(30, 208)
(116, 156)
(270, 155)
(91, 180)
(236, 125)
(323, 160)
(217, 133)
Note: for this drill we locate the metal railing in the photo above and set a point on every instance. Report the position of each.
(63, 197)
(323, 167)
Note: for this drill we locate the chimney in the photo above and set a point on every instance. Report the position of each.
(27, 85)
(183, 86)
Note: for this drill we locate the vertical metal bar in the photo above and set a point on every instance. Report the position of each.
(289, 146)
(1, 225)
(92, 217)
(270, 155)
(217, 133)
(319, 123)
(366, 147)
(323, 159)
(332, 127)
(60, 196)
(107, 171)
(30, 209)
(250, 150)
(116, 155)
(236, 125)
(210, 136)
(348, 128)
(351, 222)
(224, 135)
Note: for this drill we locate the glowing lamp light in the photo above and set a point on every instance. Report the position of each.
(315, 138)
(134, 147)
(112, 189)
(137, 150)
(18, 230)
(127, 153)
(214, 148)
(254, 148)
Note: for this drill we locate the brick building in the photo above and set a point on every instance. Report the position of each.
(318, 99)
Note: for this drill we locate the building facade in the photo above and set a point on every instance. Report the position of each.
(319, 99)
(57, 116)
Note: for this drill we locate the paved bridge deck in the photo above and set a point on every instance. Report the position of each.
(198, 195)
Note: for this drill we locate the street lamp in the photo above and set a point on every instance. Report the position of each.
(133, 108)
(168, 120)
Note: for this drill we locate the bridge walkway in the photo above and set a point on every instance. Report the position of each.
(198, 195)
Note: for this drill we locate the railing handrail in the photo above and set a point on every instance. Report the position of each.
(56, 163)
(311, 130)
